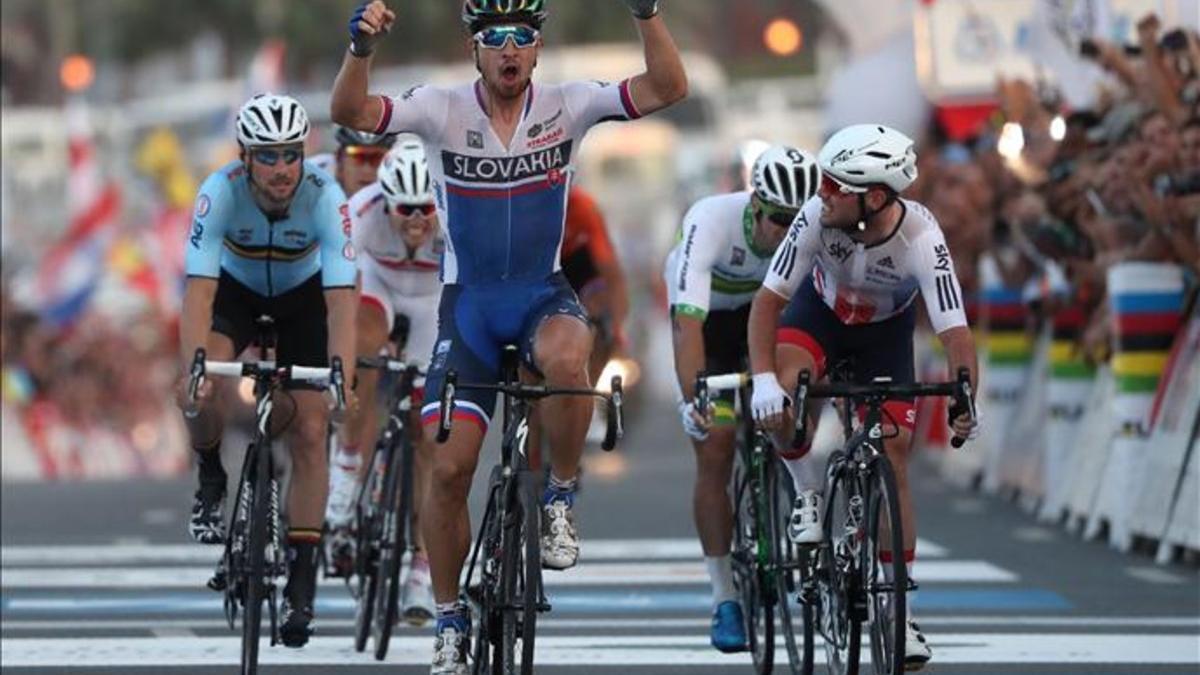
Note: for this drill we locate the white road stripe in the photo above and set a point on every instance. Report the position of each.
(552, 623)
(585, 574)
(161, 554)
(665, 650)
(1154, 575)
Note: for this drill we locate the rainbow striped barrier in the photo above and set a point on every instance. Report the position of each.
(1010, 349)
(1146, 300)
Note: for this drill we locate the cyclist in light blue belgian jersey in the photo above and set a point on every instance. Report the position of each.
(271, 235)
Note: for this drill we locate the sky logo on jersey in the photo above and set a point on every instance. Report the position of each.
(506, 169)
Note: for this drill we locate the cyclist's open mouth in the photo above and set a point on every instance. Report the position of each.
(510, 72)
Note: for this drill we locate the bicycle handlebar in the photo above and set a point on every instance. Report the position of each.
(614, 403)
(332, 376)
(959, 390)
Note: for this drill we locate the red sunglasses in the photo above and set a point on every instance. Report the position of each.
(409, 209)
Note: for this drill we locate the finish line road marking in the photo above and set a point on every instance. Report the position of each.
(668, 650)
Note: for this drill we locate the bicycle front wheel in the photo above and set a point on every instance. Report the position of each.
(787, 559)
(256, 545)
(838, 617)
(366, 551)
(749, 575)
(885, 575)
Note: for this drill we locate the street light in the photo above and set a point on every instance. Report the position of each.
(76, 73)
(782, 37)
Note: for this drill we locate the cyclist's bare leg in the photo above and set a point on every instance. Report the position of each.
(790, 359)
(711, 508)
(561, 350)
(445, 519)
(306, 435)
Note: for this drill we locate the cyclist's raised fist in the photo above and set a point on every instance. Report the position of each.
(643, 9)
(368, 23)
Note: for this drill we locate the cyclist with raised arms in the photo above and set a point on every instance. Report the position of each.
(712, 273)
(846, 280)
(270, 235)
(503, 154)
(399, 248)
(355, 163)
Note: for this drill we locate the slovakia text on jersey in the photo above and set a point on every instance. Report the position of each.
(229, 232)
(502, 208)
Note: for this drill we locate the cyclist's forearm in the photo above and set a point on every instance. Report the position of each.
(960, 351)
(341, 305)
(688, 335)
(665, 80)
(195, 322)
(764, 319)
(350, 105)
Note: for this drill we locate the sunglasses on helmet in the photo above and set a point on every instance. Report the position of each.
(410, 209)
(362, 154)
(271, 156)
(495, 37)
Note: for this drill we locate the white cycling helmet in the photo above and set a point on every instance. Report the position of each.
(785, 176)
(404, 173)
(870, 154)
(271, 119)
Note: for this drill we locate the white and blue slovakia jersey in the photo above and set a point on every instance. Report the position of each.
(502, 209)
(231, 234)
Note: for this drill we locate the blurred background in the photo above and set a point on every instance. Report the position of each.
(1056, 138)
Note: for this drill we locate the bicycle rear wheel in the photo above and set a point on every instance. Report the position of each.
(748, 574)
(883, 556)
(256, 543)
(837, 618)
(787, 557)
(392, 543)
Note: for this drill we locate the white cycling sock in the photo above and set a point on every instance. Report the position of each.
(346, 459)
(720, 572)
(806, 474)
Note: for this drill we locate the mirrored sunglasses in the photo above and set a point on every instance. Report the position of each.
(271, 156)
(778, 215)
(494, 37)
(365, 155)
(829, 184)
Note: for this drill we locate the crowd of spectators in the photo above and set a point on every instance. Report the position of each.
(91, 398)
(1056, 203)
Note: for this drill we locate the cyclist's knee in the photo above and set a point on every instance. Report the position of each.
(308, 436)
(566, 362)
(451, 476)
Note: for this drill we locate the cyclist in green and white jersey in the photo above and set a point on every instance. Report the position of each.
(723, 254)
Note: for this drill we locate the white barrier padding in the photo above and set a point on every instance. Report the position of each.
(1091, 447)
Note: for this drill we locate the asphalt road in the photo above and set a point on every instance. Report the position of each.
(100, 578)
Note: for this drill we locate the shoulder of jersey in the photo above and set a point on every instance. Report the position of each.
(232, 170)
(367, 199)
(919, 218)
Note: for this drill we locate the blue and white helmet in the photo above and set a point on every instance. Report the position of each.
(271, 119)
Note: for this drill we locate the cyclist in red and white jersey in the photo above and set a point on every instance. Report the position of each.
(395, 232)
(846, 280)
